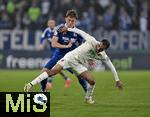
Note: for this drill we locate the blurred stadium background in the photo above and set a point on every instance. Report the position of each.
(125, 23)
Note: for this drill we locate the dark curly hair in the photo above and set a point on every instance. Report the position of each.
(106, 43)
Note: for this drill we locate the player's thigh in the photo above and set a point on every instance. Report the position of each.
(82, 71)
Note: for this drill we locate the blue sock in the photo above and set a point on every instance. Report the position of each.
(82, 82)
(43, 85)
(49, 79)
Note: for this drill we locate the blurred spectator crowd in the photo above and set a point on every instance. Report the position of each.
(93, 14)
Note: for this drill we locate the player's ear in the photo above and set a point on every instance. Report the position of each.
(66, 19)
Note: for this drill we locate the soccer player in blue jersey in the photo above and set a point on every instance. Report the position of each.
(47, 36)
(65, 42)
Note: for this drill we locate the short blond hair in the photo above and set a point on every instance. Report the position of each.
(72, 13)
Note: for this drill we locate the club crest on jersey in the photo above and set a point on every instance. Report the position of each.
(91, 54)
(48, 35)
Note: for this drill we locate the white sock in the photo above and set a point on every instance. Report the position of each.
(90, 90)
(38, 79)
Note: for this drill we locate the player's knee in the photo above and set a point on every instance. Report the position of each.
(52, 72)
(92, 82)
(48, 72)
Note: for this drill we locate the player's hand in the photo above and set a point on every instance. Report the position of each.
(119, 85)
(40, 48)
(63, 29)
(69, 45)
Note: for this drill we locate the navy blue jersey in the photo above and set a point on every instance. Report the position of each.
(47, 35)
(65, 39)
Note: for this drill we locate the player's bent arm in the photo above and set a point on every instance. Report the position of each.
(43, 36)
(85, 35)
(113, 70)
(42, 42)
(56, 44)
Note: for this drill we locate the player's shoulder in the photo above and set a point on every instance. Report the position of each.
(57, 28)
(47, 30)
(93, 42)
(103, 53)
(44, 32)
(103, 56)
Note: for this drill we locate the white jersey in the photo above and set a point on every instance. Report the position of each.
(87, 51)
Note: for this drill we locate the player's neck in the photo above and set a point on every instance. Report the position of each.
(67, 26)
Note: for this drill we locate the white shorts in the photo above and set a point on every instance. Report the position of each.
(69, 61)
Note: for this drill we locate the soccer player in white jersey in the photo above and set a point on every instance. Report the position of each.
(90, 49)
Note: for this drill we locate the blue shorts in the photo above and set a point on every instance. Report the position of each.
(55, 58)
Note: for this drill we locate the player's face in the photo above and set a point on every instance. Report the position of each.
(51, 23)
(100, 47)
(70, 21)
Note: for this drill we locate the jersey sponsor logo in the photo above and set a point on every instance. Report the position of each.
(66, 39)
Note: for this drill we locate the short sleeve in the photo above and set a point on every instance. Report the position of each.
(57, 28)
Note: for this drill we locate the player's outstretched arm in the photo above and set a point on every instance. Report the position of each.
(119, 84)
(85, 35)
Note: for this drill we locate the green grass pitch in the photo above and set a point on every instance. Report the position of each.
(133, 101)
